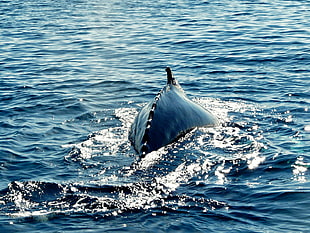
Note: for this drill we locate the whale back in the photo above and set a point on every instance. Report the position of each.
(167, 117)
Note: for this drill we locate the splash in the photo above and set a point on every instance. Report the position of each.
(114, 181)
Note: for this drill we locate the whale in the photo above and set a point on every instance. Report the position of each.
(166, 118)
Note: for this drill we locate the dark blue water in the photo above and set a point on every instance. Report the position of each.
(73, 75)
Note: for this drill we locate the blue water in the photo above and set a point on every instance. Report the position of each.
(73, 75)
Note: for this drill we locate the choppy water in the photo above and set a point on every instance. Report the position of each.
(74, 75)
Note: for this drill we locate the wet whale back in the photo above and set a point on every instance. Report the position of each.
(170, 115)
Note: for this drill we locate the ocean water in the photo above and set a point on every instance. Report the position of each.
(74, 74)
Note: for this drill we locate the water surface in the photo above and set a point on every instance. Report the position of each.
(73, 76)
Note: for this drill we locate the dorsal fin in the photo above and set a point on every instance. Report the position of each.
(170, 78)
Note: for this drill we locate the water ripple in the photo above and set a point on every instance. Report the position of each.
(73, 75)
